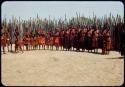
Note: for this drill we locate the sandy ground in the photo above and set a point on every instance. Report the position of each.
(68, 68)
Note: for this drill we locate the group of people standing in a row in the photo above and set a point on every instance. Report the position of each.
(72, 38)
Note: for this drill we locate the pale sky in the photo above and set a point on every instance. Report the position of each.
(57, 9)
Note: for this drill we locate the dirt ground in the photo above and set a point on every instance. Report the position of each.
(61, 68)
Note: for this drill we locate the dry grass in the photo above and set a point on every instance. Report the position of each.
(46, 67)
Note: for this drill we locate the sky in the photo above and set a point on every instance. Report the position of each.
(58, 9)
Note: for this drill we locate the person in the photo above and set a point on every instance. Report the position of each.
(108, 41)
(8, 41)
(43, 41)
(78, 40)
(16, 34)
(89, 40)
(75, 40)
(122, 45)
(20, 44)
(71, 38)
(27, 41)
(47, 40)
(32, 42)
(36, 41)
(51, 41)
(39, 40)
(65, 40)
(95, 40)
(3, 42)
(68, 43)
(57, 40)
(100, 40)
(82, 40)
(16, 44)
(61, 39)
(104, 41)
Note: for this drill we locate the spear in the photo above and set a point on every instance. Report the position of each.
(10, 35)
(45, 22)
(123, 20)
(37, 21)
(5, 24)
(95, 21)
(49, 24)
(77, 18)
(93, 18)
(33, 25)
(12, 30)
(2, 22)
(19, 25)
(65, 21)
(54, 24)
(116, 19)
(119, 20)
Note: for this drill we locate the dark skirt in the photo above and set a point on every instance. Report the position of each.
(61, 41)
(83, 44)
(89, 44)
(74, 42)
(100, 42)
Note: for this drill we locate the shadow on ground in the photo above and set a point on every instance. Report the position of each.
(116, 58)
